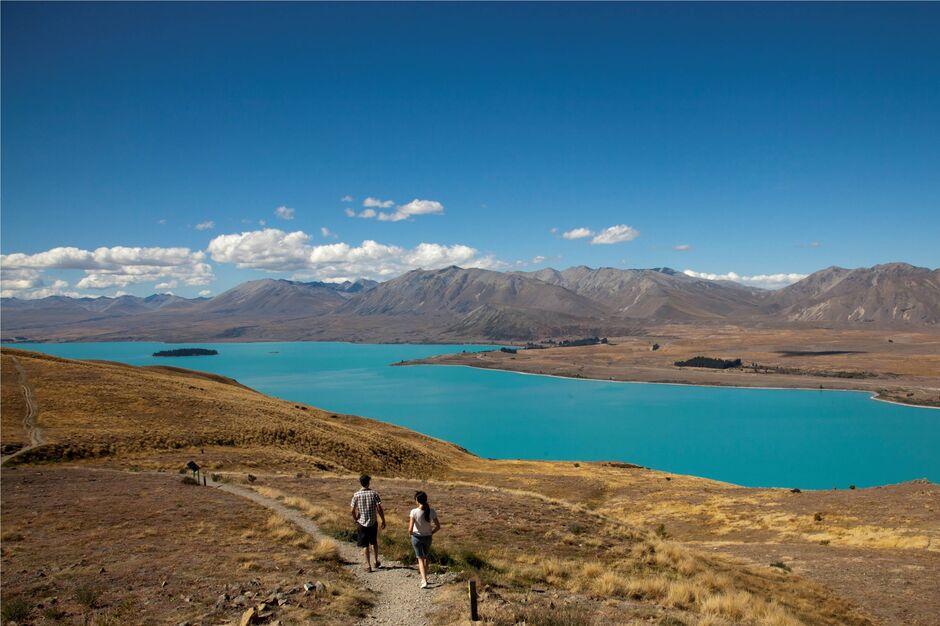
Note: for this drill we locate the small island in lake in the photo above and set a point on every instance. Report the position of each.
(186, 352)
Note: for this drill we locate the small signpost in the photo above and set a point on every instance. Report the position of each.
(194, 468)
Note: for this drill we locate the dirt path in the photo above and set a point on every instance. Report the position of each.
(29, 420)
(398, 599)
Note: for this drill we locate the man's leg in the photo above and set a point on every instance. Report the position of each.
(375, 548)
(365, 554)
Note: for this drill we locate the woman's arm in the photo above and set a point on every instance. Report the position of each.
(411, 523)
(437, 525)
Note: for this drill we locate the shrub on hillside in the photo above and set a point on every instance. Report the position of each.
(709, 362)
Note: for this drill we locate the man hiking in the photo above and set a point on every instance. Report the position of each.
(364, 506)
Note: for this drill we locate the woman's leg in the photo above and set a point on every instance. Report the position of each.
(423, 568)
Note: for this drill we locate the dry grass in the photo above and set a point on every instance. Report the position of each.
(139, 544)
(12, 433)
(94, 409)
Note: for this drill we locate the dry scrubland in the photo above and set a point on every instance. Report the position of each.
(552, 543)
(88, 546)
(900, 366)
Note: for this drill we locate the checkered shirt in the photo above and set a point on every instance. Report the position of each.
(365, 501)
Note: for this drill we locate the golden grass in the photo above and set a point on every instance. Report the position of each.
(660, 572)
(725, 516)
(96, 408)
(285, 531)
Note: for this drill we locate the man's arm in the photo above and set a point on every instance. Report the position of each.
(354, 510)
(378, 507)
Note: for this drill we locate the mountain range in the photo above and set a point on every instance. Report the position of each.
(456, 304)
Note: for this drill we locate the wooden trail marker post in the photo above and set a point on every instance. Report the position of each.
(472, 591)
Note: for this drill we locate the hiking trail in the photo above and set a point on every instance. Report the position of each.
(398, 599)
(29, 420)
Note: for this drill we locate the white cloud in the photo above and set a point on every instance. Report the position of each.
(553, 230)
(402, 211)
(577, 233)
(349, 212)
(28, 284)
(615, 234)
(205, 293)
(274, 250)
(346, 199)
(284, 213)
(326, 232)
(119, 266)
(171, 284)
(683, 247)
(207, 225)
(415, 207)
(768, 281)
(119, 293)
(163, 221)
(262, 222)
(375, 203)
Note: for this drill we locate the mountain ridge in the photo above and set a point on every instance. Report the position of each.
(454, 304)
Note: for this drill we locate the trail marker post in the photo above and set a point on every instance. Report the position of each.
(472, 591)
(194, 468)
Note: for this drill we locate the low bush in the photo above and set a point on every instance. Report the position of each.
(86, 596)
(15, 609)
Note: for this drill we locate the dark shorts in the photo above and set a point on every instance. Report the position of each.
(367, 535)
(422, 545)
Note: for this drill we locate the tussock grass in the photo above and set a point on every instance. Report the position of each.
(285, 531)
(281, 529)
(660, 572)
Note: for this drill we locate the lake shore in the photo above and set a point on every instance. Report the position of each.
(901, 368)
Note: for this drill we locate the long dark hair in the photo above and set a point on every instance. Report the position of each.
(422, 499)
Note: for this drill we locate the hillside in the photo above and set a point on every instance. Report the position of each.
(455, 304)
(459, 291)
(656, 295)
(883, 295)
(608, 542)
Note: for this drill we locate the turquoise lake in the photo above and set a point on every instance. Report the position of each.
(755, 437)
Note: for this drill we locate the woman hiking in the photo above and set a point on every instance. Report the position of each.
(422, 524)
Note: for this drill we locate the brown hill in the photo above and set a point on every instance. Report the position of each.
(656, 295)
(96, 408)
(455, 290)
(895, 294)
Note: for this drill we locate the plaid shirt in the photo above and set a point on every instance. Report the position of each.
(365, 501)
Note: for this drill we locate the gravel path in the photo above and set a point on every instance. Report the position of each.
(29, 420)
(398, 599)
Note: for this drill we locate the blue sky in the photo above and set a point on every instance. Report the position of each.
(759, 139)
